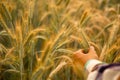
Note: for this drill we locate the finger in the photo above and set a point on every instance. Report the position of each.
(92, 50)
(79, 51)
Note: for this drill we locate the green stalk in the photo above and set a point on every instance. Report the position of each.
(31, 60)
(21, 61)
(84, 41)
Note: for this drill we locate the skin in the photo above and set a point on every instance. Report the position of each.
(83, 58)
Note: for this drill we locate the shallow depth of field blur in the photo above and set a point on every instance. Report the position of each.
(39, 37)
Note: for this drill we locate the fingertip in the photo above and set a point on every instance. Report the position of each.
(92, 48)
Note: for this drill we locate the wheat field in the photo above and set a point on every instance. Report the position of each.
(39, 37)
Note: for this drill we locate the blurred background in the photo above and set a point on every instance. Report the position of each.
(38, 37)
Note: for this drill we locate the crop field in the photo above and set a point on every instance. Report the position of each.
(38, 37)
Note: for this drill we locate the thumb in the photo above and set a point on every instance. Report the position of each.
(92, 50)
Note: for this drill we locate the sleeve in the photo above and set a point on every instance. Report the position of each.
(99, 70)
(91, 64)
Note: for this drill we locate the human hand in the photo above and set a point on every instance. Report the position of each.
(84, 57)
